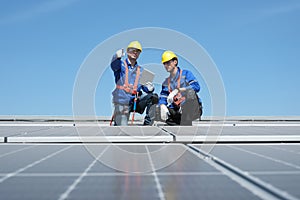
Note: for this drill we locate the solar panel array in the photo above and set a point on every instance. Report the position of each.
(209, 160)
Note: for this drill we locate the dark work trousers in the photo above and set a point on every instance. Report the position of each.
(189, 111)
(146, 101)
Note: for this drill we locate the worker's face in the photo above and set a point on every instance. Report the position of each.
(170, 65)
(133, 53)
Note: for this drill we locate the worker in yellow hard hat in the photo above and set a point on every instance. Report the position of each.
(179, 103)
(129, 95)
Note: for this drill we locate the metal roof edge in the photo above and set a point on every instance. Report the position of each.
(140, 118)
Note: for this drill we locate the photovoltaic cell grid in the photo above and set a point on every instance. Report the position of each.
(278, 165)
(46, 169)
(69, 171)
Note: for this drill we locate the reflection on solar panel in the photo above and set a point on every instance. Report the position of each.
(211, 160)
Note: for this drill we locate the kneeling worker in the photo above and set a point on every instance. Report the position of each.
(179, 103)
(129, 95)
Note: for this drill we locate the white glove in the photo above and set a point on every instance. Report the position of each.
(171, 96)
(120, 53)
(164, 112)
(149, 86)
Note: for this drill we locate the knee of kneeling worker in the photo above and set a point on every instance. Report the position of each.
(155, 98)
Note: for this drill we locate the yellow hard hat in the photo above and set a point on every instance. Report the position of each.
(167, 56)
(135, 44)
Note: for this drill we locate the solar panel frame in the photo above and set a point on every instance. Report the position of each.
(88, 134)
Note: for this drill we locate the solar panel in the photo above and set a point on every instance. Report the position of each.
(91, 160)
(277, 165)
(69, 171)
(85, 134)
(242, 133)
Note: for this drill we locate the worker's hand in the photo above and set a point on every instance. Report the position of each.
(120, 53)
(171, 96)
(164, 112)
(149, 86)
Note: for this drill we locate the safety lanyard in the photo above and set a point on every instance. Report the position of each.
(178, 81)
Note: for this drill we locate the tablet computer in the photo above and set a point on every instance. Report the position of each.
(147, 76)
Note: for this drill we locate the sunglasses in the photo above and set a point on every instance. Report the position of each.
(168, 62)
(133, 50)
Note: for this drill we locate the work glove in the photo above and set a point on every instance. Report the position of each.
(120, 53)
(164, 112)
(149, 87)
(171, 96)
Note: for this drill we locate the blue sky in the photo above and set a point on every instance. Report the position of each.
(254, 44)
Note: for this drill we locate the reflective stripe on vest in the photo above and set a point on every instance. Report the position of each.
(129, 88)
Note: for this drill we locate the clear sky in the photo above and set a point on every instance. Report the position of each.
(254, 44)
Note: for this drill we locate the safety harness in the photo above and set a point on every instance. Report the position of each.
(129, 88)
(178, 98)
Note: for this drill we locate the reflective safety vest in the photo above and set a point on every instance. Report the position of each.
(178, 98)
(129, 88)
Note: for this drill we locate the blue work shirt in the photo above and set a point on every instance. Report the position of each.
(118, 67)
(187, 81)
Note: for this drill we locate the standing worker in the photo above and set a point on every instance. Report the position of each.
(179, 103)
(129, 95)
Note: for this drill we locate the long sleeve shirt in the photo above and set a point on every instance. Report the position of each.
(187, 81)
